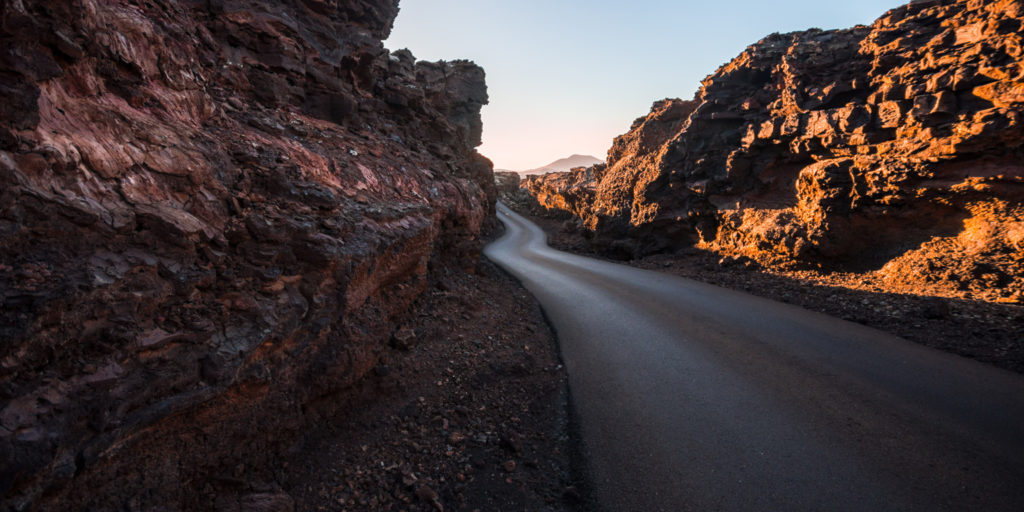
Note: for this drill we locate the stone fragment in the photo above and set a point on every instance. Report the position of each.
(403, 338)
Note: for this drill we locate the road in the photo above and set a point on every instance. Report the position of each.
(694, 397)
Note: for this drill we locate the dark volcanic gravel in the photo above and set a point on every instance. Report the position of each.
(466, 412)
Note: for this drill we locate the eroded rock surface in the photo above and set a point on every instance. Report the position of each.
(895, 147)
(211, 214)
(571, 192)
(507, 182)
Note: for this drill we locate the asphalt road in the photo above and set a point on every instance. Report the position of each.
(694, 397)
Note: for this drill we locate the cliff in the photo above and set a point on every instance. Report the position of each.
(894, 148)
(213, 214)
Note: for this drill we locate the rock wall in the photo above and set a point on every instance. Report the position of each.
(212, 216)
(506, 182)
(571, 192)
(895, 147)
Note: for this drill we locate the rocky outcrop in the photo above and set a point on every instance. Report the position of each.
(894, 147)
(507, 182)
(511, 193)
(212, 217)
(571, 192)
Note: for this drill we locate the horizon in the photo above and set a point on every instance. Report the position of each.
(553, 163)
(581, 104)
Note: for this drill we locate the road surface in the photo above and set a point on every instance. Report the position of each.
(694, 397)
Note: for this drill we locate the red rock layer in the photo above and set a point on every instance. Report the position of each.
(212, 214)
(895, 147)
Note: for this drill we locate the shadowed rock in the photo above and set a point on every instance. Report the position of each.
(211, 214)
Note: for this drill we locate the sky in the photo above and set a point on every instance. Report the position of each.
(568, 76)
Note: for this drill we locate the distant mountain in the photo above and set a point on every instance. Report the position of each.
(564, 164)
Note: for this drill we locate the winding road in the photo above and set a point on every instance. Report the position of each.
(694, 397)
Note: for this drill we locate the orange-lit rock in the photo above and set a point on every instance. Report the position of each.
(873, 148)
(571, 192)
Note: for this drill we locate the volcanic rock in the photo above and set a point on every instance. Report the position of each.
(894, 147)
(570, 192)
(507, 182)
(211, 214)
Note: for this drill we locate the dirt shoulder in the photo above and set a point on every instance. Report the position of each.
(468, 411)
(989, 332)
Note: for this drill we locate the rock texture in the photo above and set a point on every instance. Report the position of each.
(571, 192)
(212, 214)
(506, 182)
(895, 147)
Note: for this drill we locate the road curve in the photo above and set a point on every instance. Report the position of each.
(694, 397)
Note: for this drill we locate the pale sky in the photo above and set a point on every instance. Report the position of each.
(567, 76)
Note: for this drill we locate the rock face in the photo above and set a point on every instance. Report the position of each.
(895, 147)
(570, 192)
(212, 215)
(507, 182)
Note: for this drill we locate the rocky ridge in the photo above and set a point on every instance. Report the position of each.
(212, 214)
(893, 149)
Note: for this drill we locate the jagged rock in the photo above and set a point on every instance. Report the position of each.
(569, 192)
(507, 182)
(895, 146)
(211, 214)
(511, 192)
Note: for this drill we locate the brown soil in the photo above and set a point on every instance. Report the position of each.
(467, 413)
(988, 332)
